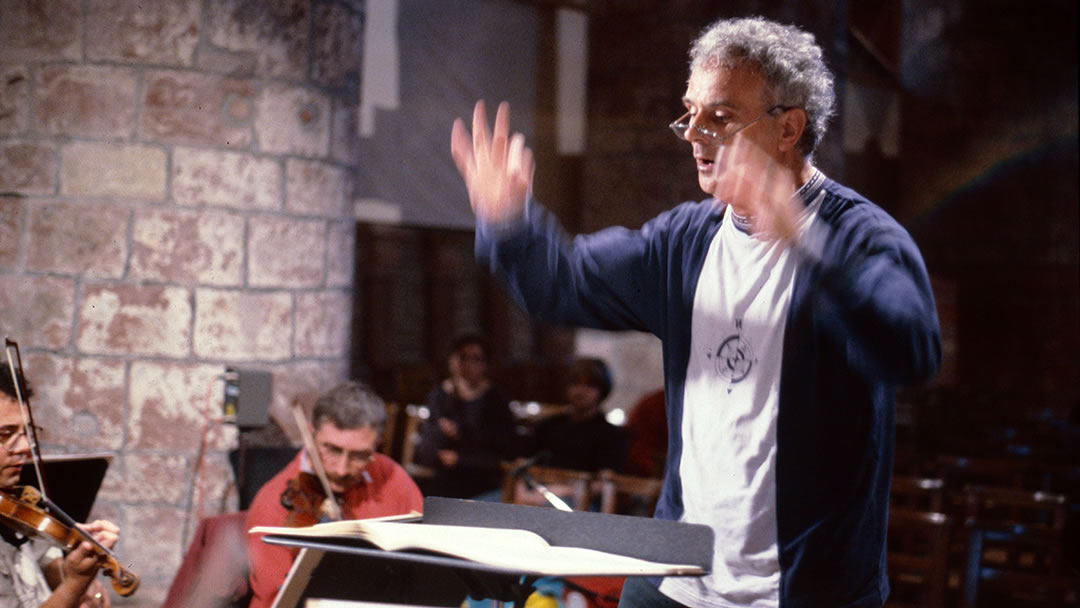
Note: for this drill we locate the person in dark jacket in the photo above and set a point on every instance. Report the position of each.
(469, 430)
(789, 306)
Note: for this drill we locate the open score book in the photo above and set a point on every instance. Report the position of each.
(515, 550)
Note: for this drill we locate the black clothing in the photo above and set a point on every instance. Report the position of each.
(486, 437)
(590, 445)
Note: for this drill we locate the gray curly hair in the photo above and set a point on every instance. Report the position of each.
(788, 59)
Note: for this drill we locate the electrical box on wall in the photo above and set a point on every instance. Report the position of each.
(247, 396)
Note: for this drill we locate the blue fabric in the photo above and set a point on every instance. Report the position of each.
(862, 321)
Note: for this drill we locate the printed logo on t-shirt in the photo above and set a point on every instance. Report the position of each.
(733, 358)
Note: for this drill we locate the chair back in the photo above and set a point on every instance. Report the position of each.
(1016, 565)
(573, 487)
(628, 494)
(415, 415)
(918, 553)
(917, 493)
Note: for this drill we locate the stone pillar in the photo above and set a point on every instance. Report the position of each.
(175, 197)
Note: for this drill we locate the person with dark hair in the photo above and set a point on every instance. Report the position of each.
(33, 571)
(789, 306)
(582, 439)
(469, 429)
(346, 425)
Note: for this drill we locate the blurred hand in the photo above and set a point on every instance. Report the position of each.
(95, 596)
(758, 187)
(448, 458)
(497, 169)
(449, 428)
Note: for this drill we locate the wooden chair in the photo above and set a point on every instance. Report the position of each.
(415, 415)
(918, 552)
(1012, 506)
(917, 493)
(1005, 472)
(1016, 565)
(390, 442)
(628, 494)
(574, 487)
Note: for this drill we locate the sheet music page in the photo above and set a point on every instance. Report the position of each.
(518, 550)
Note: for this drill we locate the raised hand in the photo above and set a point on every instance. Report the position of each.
(497, 169)
(758, 187)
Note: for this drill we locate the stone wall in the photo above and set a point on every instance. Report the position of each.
(175, 197)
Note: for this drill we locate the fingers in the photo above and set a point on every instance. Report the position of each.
(82, 560)
(500, 137)
(95, 596)
(496, 167)
(480, 134)
(519, 161)
(104, 532)
(461, 149)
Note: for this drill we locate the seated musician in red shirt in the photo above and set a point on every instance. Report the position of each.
(346, 425)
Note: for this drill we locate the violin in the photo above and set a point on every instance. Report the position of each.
(303, 499)
(29, 512)
(19, 511)
(305, 496)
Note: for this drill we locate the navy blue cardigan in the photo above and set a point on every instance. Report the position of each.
(862, 321)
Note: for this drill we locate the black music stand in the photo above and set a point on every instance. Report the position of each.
(352, 569)
(73, 480)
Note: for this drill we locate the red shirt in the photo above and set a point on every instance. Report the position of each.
(390, 491)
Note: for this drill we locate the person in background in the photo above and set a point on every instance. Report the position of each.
(790, 309)
(33, 572)
(469, 430)
(582, 439)
(346, 425)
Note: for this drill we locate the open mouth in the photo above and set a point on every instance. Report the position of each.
(704, 165)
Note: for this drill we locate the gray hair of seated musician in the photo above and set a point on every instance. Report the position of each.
(350, 405)
(788, 58)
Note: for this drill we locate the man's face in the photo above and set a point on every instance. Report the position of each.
(345, 453)
(15, 451)
(722, 100)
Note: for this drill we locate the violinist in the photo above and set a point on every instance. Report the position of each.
(33, 572)
(345, 426)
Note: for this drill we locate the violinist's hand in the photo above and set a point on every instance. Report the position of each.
(81, 562)
(95, 596)
(497, 168)
(103, 531)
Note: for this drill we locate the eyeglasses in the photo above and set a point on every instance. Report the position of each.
(333, 452)
(9, 435)
(682, 124)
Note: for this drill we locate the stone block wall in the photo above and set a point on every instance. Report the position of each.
(175, 197)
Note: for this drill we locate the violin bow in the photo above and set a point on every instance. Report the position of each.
(316, 461)
(15, 365)
(124, 581)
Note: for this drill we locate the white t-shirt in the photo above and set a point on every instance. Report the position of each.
(731, 397)
(22, 581)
